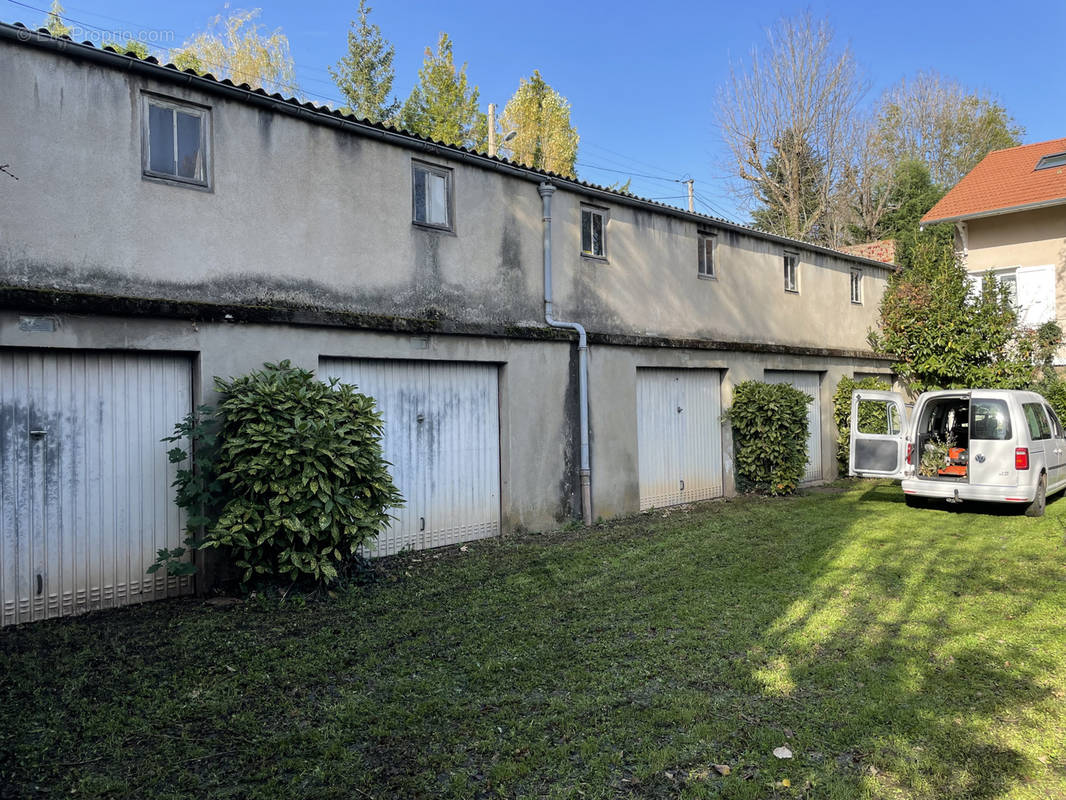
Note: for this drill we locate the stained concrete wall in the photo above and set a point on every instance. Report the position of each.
(300, 213)
(538, 427)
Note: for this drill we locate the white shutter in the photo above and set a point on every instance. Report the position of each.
(1036, 295)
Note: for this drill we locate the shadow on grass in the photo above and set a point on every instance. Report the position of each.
(895, 652)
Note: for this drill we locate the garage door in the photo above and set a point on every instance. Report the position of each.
(85, 484)
(679, 436)
(809, 383)
(442, 436)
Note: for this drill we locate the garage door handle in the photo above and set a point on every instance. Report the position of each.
(682, 486)
(421, 523)
(38, 433)
(40, 584)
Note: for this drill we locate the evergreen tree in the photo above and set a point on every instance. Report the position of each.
(443, 106)
(792, 201)
(540, 118)
(365, 74)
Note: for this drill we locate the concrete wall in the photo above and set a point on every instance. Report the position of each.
(304, 214)
(538, 429)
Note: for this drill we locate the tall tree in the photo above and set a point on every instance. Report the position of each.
(365, 74)
(540, 118)
(795, 99)
(234, 48)
(942, 124)
(443, 106)
(54, 21)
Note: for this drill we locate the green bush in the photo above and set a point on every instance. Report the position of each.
(842, 414)
(302, 470)
(769, 436)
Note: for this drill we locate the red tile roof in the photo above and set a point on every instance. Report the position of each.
(1005, 180)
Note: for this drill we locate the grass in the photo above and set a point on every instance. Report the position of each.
(896, 652)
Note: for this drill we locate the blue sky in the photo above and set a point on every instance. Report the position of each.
(642, 79)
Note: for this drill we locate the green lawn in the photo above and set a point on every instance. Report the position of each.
(896, 652)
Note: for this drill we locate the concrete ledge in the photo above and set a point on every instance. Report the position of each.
(54, 301)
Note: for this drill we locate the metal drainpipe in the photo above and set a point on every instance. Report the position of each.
(546, 191)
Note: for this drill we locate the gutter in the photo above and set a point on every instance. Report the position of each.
(322, 116)
(546, 191)
(998, 211)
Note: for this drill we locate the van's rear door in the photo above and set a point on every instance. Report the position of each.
(878, 434)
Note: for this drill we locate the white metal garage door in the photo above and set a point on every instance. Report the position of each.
(85, 484)
(679, 436)
(442, 436)
(809, 383)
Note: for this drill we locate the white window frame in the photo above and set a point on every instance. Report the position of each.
(592, 212)
(204, 113)
(791, 265)
(706, 265)
(856, 285)
(449, 196)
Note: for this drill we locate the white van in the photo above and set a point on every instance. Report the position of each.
(994, 445)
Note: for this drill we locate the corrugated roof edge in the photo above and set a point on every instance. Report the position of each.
(325, 115)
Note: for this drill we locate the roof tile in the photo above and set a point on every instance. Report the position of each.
(1004, 179)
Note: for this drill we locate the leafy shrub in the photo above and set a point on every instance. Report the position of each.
(198, 489)
(769, 436)
(842, 414)
(302, 469)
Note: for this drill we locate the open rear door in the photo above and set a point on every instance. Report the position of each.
(878, 434)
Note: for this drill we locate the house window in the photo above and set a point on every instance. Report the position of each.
(593, 232)
(792, 272)
(856, 286)
(431, 195)
(706, 268)
(174, 141)
(1031, 291)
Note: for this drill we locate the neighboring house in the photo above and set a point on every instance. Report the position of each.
(1010, 219)
(166, 228)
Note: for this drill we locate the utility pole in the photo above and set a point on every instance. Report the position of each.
(690, 182)
(492, 129)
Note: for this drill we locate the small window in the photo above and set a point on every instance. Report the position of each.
(989, 420)
(792, 272)
(879, 417)
(1056, 426)
(431, 195)
(593, 232)
(1036, 419)
(174, 141)
(706, 256)
(856, 286)
(1053, 160)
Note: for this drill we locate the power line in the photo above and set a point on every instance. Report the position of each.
(629, 172)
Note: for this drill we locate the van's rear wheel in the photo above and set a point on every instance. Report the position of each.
(1036, 508)
(914, 501)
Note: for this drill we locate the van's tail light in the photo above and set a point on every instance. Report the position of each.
(1021, 458)
(910, 453)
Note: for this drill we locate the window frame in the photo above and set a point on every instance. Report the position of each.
(449, 191)
(856, 285)
(706, 238)
(790, 258)
(604, 215)
(1050, 161)
(204, 113)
